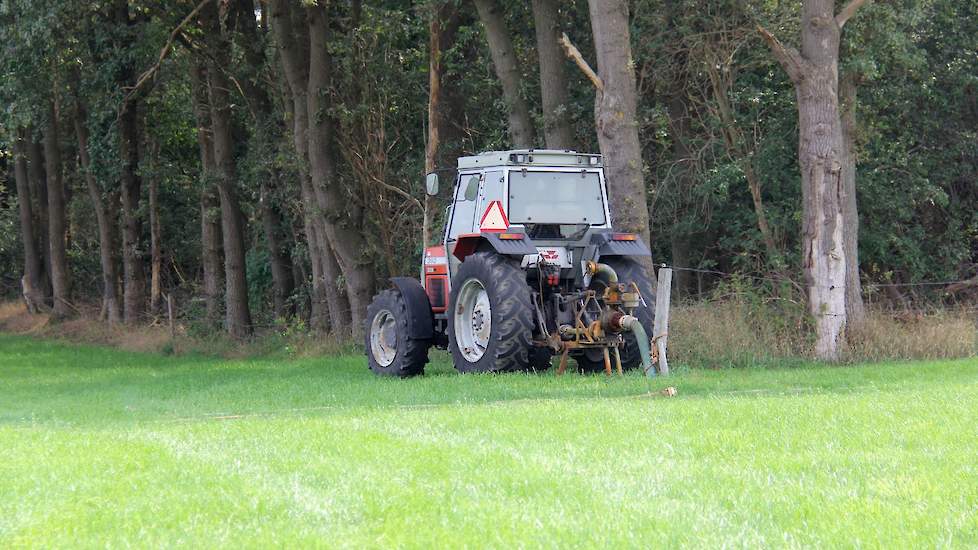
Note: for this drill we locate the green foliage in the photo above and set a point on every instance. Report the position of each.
(917, 146)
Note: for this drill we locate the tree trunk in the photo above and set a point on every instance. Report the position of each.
(249, 39)
(615, 108)
(106, 227)
(155, 236)
(327, 304)
(212, 259)
(237, 313)
(682, 160)
(553, 77)
(855, 309)
(343, 220)
(39, 190)
(57, 220)
(282, 281)
(815, 74)
(508, 72)
(435, 73)
(134, 276)
(31, 283)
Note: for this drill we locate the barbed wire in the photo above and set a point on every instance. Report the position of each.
(779, 279)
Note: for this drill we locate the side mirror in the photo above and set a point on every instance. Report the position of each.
(431, 184)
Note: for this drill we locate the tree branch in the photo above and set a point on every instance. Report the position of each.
(167, 47)
(788, 57)
(574, 54)
(847, 12)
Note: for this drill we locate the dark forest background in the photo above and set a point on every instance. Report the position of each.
(171, 130)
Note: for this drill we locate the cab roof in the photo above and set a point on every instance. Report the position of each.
(530, 157)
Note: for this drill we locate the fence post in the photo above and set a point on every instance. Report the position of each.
(661, 327)
(169, 314)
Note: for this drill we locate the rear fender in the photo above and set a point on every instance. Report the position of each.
(474, 242)
(421, 323)
(619, 244)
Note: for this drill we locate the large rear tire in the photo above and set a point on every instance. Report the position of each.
(390, 349)
(629, 271)
(490, 315)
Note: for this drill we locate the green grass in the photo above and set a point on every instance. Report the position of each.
(105, 448)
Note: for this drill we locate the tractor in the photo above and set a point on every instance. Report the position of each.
(529, 267)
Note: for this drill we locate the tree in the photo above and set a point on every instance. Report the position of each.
(57, 216)
(211, 238)
(237, 314)
(105, 221)
(507, 70)
(553, 78)
(815, 73)
(289, 26)
(615, 106)
(31, 283)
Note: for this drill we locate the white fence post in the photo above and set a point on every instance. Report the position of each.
(661, 326)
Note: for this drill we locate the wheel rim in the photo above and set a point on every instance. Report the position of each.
(383, 338)
(473, 320)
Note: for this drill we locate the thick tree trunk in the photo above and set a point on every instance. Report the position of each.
(855, 309)
(553, 77)
(39, 190)
(57, 220)
(821, 148)
(343, 220)
(106, 226)
(328, 306)
(614, 112)
(212, 259)
(134, 276)
(508, 72)
(31, 283)
(237, 313)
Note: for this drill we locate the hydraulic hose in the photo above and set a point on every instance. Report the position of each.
(631, 323)
(603, 272)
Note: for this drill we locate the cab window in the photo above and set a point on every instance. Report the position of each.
(463, 208)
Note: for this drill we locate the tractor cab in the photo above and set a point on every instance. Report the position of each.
(552, 198)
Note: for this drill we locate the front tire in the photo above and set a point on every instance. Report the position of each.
(390, 349)
(490, 323)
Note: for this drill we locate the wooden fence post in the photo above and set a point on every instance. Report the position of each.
(169, 315)
(661, 327)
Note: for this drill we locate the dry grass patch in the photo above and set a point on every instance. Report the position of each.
(936, 335)
(737, 332)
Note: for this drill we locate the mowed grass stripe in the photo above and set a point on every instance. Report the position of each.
(870, 456)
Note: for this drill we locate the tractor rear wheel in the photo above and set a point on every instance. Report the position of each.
(390, 349)
(629, 271)
(490, 323)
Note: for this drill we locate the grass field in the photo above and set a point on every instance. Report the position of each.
(106, 448)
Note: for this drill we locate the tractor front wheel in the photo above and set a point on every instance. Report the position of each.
(490, 324)
(390, 349)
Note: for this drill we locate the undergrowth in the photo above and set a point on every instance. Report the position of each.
(737, 326)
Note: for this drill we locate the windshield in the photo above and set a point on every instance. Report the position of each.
(565, 198)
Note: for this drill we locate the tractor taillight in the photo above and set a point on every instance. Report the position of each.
(511, 236)
(624, 237)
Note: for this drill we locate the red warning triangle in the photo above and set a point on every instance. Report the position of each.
(494, 219)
